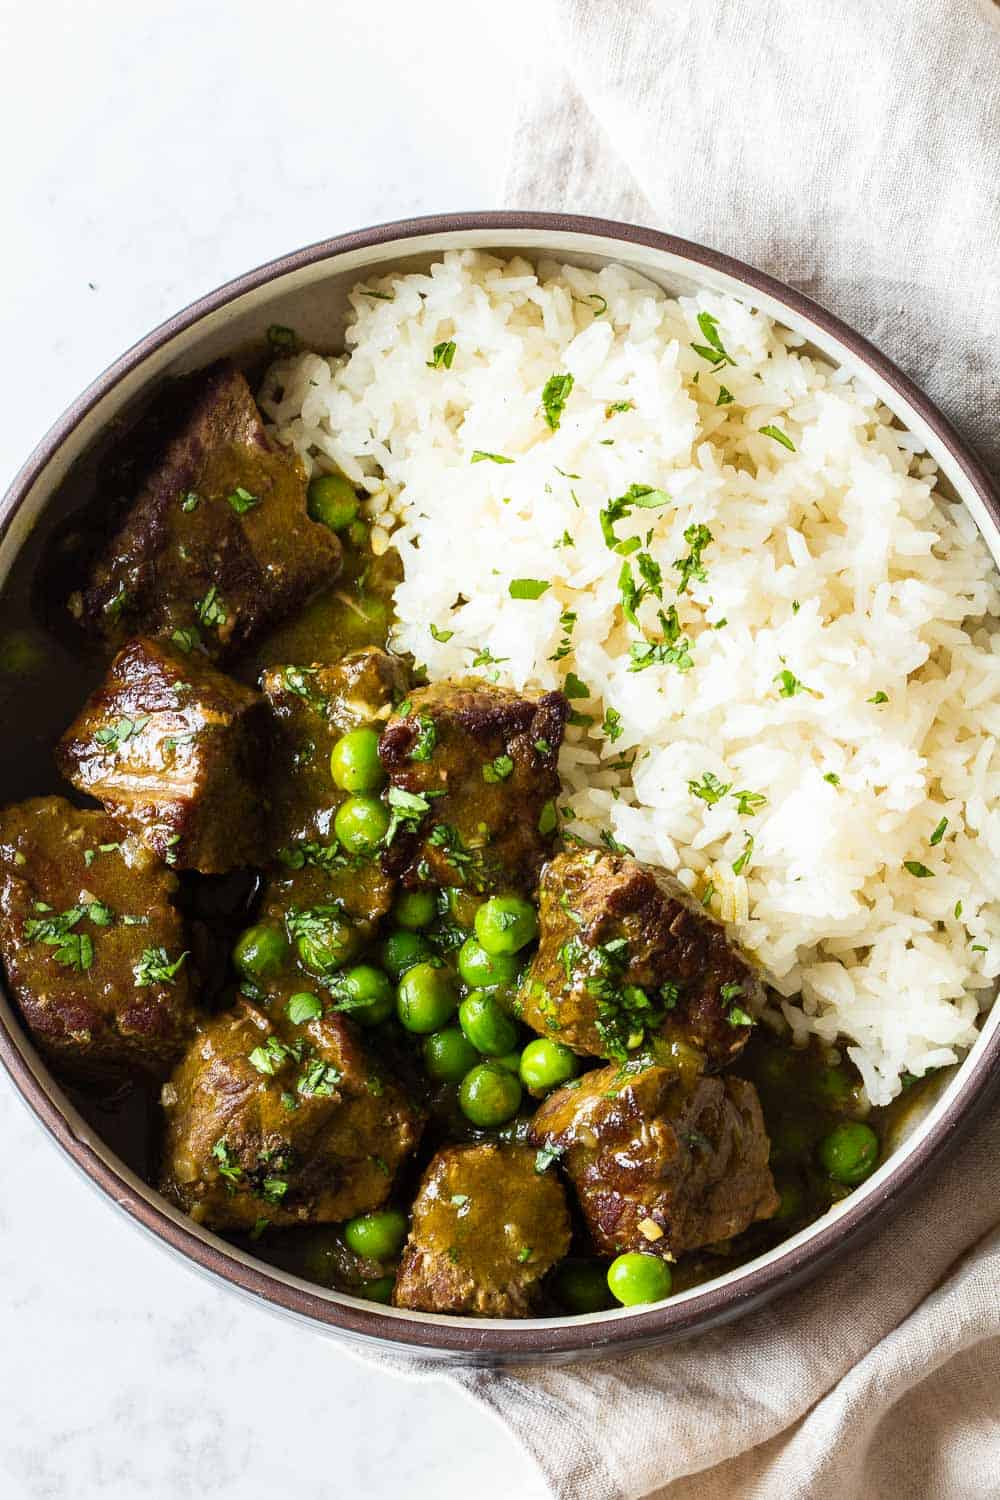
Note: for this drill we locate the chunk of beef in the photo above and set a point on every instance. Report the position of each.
(662, 1160)
(176, 751)
(217, 544)
(314, 880)
(270, 1120)
(626, 954)
(481, 762)
(91, 943)
(486, 1227)
(313, 706)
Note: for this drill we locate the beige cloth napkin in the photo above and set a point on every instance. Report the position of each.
(852, 148)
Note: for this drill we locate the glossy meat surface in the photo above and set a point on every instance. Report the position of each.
(283, 1123)
(217, 542)
(483, 761)
(626, 954)
(176, 751)
(662, 1161)
(92, 945)
(486, 1228)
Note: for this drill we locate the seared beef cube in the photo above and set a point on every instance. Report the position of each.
(217, 544)
(279, 1120)
(313, 706)
(626, 954)
(481, 763)
(486, 1227)
(93, 948)
(176, 751)
(662, 1160)
(323, 880)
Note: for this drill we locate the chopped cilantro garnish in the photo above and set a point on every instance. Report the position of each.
(709, 789)
(743, 863)
(480, 456)
(190, 501)
(228, 1165)
(211, 610)
(574, 688)
(555, 394)
(114, 735)
(697, 538)
(498, 769)
(528, 588)
(725, 397)
(303, 1007)
(423, 745)
(612, 725)
(546, 1155)
(673, 650)
(832, 778)
(241, 500)
(441, 635)
(916, 868)
(749, 803)
(642, 495)
(879, 697)
(616, 406)
(713, 349)
(779, 436)
(548, 818)
(789, 684)
(186, 638)
(155, 967)
(444, 353)
(269, 1057)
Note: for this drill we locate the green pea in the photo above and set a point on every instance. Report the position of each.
(377, 1236)
(401, 950)
(361, 824)
(322, 1257)
(331, 499)
(448, 1055)
(505, 924)
(329, 943)
(379, 1289)
(415, 909)
(582, 1286)
(367, 993)
(354, 762)
(489, 1095)
(484, 971)
(850, 1152)
(637, 1277)
(835, 1085)
(357, 535)
(545, 1065)
(487, 1027)
(426, 997)
(261, 951)
(791, 1198)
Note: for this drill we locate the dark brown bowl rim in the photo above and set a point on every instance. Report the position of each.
(517, 1342)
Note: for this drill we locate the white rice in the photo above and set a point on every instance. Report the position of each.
(834, 562)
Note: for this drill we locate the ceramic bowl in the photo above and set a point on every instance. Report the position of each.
(307, 291)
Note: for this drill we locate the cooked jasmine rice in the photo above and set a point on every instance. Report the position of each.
(778, 642)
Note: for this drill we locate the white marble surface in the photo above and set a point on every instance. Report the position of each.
(152, 151)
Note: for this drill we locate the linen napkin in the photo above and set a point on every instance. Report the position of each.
(852, 149)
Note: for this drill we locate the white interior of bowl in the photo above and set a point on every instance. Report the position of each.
(312, 300)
